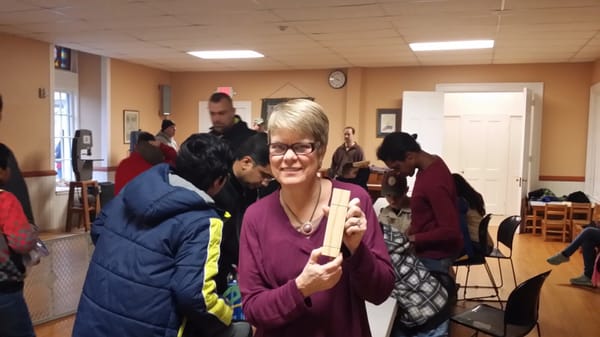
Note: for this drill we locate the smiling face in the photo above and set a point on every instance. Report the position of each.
(290, 168)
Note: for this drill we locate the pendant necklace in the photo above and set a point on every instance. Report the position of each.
(306, 227)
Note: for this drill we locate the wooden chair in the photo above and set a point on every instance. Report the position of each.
(80, 203)
(530, 220)
(527, 216)
(596, 213)
(556, 221)
(581, 215)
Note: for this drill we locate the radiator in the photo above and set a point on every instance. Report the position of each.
(53, 287)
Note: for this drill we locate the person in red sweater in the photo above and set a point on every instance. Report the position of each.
(17, 238)
(435, 230)
(148, 152)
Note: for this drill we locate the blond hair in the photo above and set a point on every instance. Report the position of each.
(304, 117)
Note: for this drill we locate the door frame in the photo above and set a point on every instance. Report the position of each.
(537, 90)
(592, 166)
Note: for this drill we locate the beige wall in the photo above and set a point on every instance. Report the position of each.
(26, 67)
(566, 100)
(25, 125)
(133, 87)
(190, 88)
(596, 72)
(566, 103)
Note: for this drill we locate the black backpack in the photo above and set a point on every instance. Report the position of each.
(578, 197)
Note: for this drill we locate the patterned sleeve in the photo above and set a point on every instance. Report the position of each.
(20, 234)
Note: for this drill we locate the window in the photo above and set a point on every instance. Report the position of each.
(62, 58)
(64, 129)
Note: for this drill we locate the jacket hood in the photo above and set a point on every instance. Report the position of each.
(150, 153)
(158, 194)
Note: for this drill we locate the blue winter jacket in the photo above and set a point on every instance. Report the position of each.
(156, 255)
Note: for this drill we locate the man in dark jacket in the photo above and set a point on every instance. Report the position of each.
(157, 247)
(225, 123)
(231, 128)
(250, 170)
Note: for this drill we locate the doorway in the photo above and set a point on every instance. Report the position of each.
(488, 135)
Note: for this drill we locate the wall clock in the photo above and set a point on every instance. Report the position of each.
(337, 79)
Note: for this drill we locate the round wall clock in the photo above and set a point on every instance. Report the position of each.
(337, 79)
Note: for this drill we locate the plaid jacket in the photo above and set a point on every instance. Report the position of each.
(17, 237)
(419, 294)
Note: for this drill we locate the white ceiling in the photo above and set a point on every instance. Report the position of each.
(311, 34)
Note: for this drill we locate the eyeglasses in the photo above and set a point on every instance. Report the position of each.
(279, 149)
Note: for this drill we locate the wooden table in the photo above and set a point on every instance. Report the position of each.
(538, 209)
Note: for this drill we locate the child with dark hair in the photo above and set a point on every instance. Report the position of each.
(157, 250)
(17, 238)
(474, 208)
(422, 295)
(397, 212)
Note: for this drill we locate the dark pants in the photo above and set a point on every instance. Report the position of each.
(209, 326)
(14, 316)
(588, 240)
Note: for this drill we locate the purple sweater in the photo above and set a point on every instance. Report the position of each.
(434, 211)
(273, 254)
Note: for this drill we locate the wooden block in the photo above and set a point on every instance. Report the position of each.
(335, 222)
(361, 164)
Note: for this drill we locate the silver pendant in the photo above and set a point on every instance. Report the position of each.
(307, 228)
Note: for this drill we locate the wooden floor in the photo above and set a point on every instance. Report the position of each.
(565, 310)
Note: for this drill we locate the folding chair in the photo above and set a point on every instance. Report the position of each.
(477, 259)
(506, 233)
(517, 320)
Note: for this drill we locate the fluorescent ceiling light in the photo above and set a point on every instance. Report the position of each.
(452, 45)
(225, 54)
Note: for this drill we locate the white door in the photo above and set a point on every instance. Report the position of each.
(484, 157)
(242, 108)
(519, 182)
(474, 134)
(423, 114)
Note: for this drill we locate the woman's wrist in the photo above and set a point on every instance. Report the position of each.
(302, 287)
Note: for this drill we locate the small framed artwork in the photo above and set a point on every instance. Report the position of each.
(269, 103)
(131, 122)
(388, 121)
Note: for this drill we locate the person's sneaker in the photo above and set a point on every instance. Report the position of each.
(557, 259)
(582, 281)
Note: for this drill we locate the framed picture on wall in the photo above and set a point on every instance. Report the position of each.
(269, 103)
(131, 122)
(388, 121)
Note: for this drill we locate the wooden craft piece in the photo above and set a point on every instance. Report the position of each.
(335, 222)
(361, 164)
